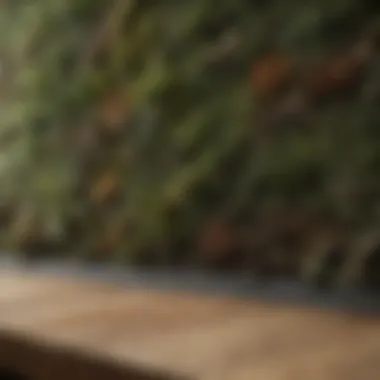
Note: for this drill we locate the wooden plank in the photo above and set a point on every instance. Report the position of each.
(186, 336)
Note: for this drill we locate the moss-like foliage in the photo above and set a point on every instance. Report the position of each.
(229, 133)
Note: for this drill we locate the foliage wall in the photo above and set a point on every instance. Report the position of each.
(232, 134)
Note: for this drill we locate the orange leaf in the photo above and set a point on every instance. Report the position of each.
(217, 241)
(114, 111)
(106, 188)
(339, 73)
(269, 74)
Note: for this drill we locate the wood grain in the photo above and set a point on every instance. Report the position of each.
(170, 334)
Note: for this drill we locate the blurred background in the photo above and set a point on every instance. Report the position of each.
(232, 135)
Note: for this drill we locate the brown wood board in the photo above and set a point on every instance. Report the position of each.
(175, 334)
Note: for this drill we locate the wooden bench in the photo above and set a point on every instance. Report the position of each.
(61, 327)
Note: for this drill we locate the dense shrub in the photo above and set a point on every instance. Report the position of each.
(229, 133)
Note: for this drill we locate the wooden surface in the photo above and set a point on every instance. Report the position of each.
(187, 336)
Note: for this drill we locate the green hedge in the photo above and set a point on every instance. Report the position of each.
(232, 133)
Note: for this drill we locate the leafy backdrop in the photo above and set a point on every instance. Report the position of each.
(230, 134)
